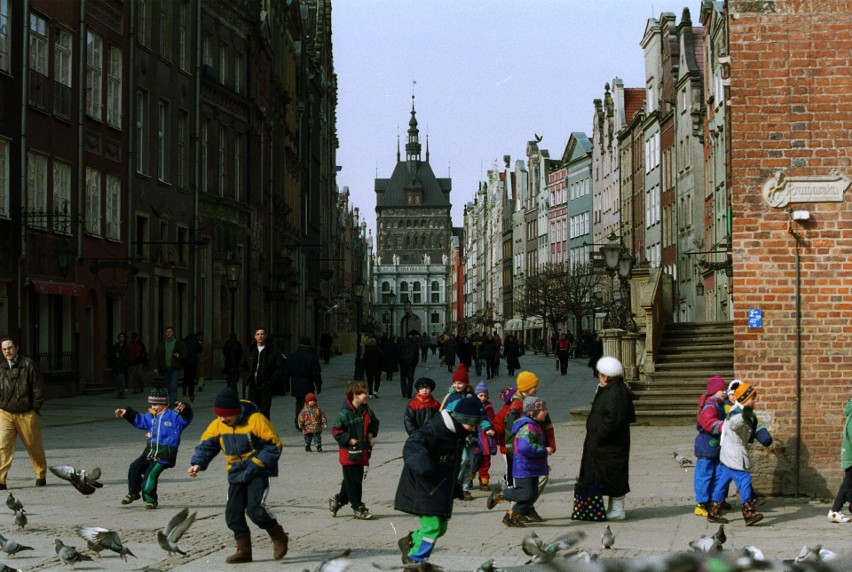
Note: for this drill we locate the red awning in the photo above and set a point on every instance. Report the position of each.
(58, 288)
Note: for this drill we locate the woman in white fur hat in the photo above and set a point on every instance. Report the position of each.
(606, 450)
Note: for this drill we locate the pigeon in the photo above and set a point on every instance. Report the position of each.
(13, 503)
(568, 540)
(681, 460)
(706, 544)
(532, 544)
(177, 525)
(107, 539)
(21, 519)
(808, 554)
(753, 553)
(487, 566)
(608, 538)
(69, 554)
(11, 547)
(720, 534)
(826, 555)
(5, 568)
(584, 556)
(547, 553)
(83, 481)
(337, 563)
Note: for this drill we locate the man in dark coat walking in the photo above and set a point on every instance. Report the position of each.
(432, 456)
(408, 358)
(303, 375)
(265, 366)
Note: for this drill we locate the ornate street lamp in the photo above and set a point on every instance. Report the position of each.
(618, 263)
(232, 271)
(64, 256)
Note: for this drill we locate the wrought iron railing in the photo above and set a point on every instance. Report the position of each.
(61, 362)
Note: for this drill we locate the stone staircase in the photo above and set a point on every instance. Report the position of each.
(690, 352)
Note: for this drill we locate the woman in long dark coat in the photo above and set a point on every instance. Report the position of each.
(464, 351)
(595, 353)
(513, 351)
(374, 362)
(489, 355)
(450, 353)
(606, 450)
(389, 348)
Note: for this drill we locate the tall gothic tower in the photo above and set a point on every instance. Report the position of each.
(413, 207)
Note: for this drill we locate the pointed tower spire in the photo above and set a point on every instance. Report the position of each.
(427, 145)
(412, 147)
(397, 146)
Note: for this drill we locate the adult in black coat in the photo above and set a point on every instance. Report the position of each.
(408, 355)
(264, 367)
(374, 363)
(513, 352)
(303, 375)
(489, 355)
(606, 449)
(233, 354)
(389, 348)
(450, 349)
(432, 456)
(464, 351)
(595, 353)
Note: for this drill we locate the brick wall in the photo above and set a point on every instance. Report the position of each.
(791, 80)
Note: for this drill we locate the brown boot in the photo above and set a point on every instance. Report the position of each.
(280, 541)
(751, 517)
(714, 515)
(243, 553)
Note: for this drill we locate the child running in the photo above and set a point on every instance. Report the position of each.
(163, 427)
(311, 422)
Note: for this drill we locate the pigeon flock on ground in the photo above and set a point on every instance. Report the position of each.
(561, 554)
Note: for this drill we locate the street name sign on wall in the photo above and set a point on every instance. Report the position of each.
(755, 318)
(780, 190)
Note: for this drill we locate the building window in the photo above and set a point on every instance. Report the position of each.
(36, 188)
(221, 161)
(143, 27)
(38, 62)
(4, 176)
(5, 41)
(223, 63)
(114, 75)
(143, 236)
(93, 201)
(163, 141)
(113, 207)
(238, 164)
(141, 132)
(183, 130)
(183, 40)
(238, 72)
(94, 74)
(62, 74)
(205, 150)
(207, 50)
(165, 31)
(61, 197)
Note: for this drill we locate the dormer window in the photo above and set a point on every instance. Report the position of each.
(413, 196)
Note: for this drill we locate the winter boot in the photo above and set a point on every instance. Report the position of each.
(749, 515)
(280, 540)
(405, 543)
(714, 515)
(243, 553)
(511, 520)
(495, 497)
(700, 509)
(483, 484)
(617, 511)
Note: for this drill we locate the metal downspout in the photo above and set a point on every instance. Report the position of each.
(131, 108)
(81, 186)
(24, 97)
(194, 236)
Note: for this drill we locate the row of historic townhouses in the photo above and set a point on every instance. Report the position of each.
(665, 66)
(577, 163)
(510, 191)
(631, 150)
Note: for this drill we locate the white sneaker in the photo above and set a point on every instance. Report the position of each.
(839, 517)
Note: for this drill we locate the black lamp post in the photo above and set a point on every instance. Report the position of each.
(232, 270)
(391, 303)
(618, 262)
(358, 291)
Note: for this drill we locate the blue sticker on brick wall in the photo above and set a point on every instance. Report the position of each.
(755, 318)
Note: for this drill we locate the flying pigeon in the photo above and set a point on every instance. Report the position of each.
(13, 503)
(720, 534)
(705, 544)
(532, 544)
(69, 554)
(21, 519)
(681, 460)
(753, 553)
(808, 554)
(107, 539)
(177, 525)
(83, 481)
(547, 553)
(608, 538)
(11, 547)
(337, 563)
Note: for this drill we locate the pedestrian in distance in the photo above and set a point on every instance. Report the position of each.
(354, 430)
(489, 355)
(710, 418)
(168, 361)
(163, 426)
(408, 351)
(737, 432)
(606, 449)
(312, 421)
(302, 375)
(513, 352)
(595, 353)
(563, 348)
(325, 346)
(531, 451)
(138, 363)
(233, 354)
(390, 351)
(264, 366)
(432, 459)
(374, 362)
(21, 399)
(844, 493)
(423, 340)
(252, 448)
(120, 364)
(423, 407)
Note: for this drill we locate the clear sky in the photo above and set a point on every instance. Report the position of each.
(490, 74)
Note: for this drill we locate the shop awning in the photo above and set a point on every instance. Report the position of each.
(513, 325)
(535, 322)
(58, 288)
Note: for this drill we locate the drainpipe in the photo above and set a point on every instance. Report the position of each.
(24, 98)
(131, 161)
(798, 451)
(81, 103)
(197, 187)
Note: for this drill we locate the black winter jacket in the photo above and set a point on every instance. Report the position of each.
(302, 372)
(432, 456)
(21, 386)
